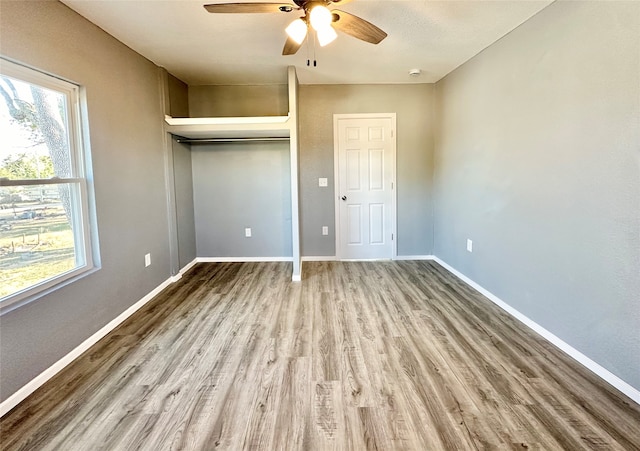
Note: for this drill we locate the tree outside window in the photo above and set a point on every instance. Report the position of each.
(44, 228)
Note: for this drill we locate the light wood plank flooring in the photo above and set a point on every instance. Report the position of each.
(385, 355)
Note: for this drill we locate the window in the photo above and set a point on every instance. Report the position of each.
(44, 224)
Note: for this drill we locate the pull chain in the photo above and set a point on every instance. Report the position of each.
(315, 63)
(308, 51)
(312, 37)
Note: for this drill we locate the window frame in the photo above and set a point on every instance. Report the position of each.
(82, 220)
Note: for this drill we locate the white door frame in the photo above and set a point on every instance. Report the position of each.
(336, 176)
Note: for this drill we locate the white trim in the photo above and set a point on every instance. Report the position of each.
(242, 259)
(230, 127)
(79, 150)
(188, 266)
(297, 277)
(35, 182)
(294, 163)
(58, 366)
(226, 120)
(415, 257)
(184, 270)
(336, 175)
(320, 258)
(585, 361)
(366, 260)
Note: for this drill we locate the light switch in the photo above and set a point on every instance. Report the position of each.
(322, 182)
(247, 232)
(325, 230)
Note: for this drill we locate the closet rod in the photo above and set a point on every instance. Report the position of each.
(226, 140)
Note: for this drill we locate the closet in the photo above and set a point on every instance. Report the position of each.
(197, 131)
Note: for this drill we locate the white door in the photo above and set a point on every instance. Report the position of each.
(365, 186)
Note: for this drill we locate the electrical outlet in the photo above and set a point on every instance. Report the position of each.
(322, 182)
(147, 260)
(469, 245)
(325, 230)
(247, 232)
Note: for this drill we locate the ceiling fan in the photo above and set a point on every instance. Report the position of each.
(317, 15)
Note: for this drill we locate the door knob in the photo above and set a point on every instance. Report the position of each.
(344, 197)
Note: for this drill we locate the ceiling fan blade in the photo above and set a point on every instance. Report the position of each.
(357, 27)
(249, 7)
(340, 2)
(291, 47)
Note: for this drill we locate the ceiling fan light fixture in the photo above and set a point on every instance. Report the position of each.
(320, 18)
(297, 30)
(326, 36)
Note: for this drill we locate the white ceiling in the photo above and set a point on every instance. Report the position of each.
(202, 48)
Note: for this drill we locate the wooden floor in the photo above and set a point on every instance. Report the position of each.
(389, 355)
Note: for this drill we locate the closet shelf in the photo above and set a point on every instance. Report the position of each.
(229, 127)
(180, 139)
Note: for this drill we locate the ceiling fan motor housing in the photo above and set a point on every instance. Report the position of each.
(325, 21)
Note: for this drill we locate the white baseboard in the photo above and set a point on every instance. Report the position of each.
(242, 259)
(188, 266)
(184, 270)
(414, 257)
(332, 258)
(54, 369)
(319, 258)
(596, 368)
(365, 260)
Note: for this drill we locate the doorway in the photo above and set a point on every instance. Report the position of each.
(365, 186)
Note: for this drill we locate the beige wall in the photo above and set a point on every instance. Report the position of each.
(413, 105)
(238, 101)
(239, 185)
(244, 184)
(178, 97)
(538, 161)
(125, 125)
(179, 157)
